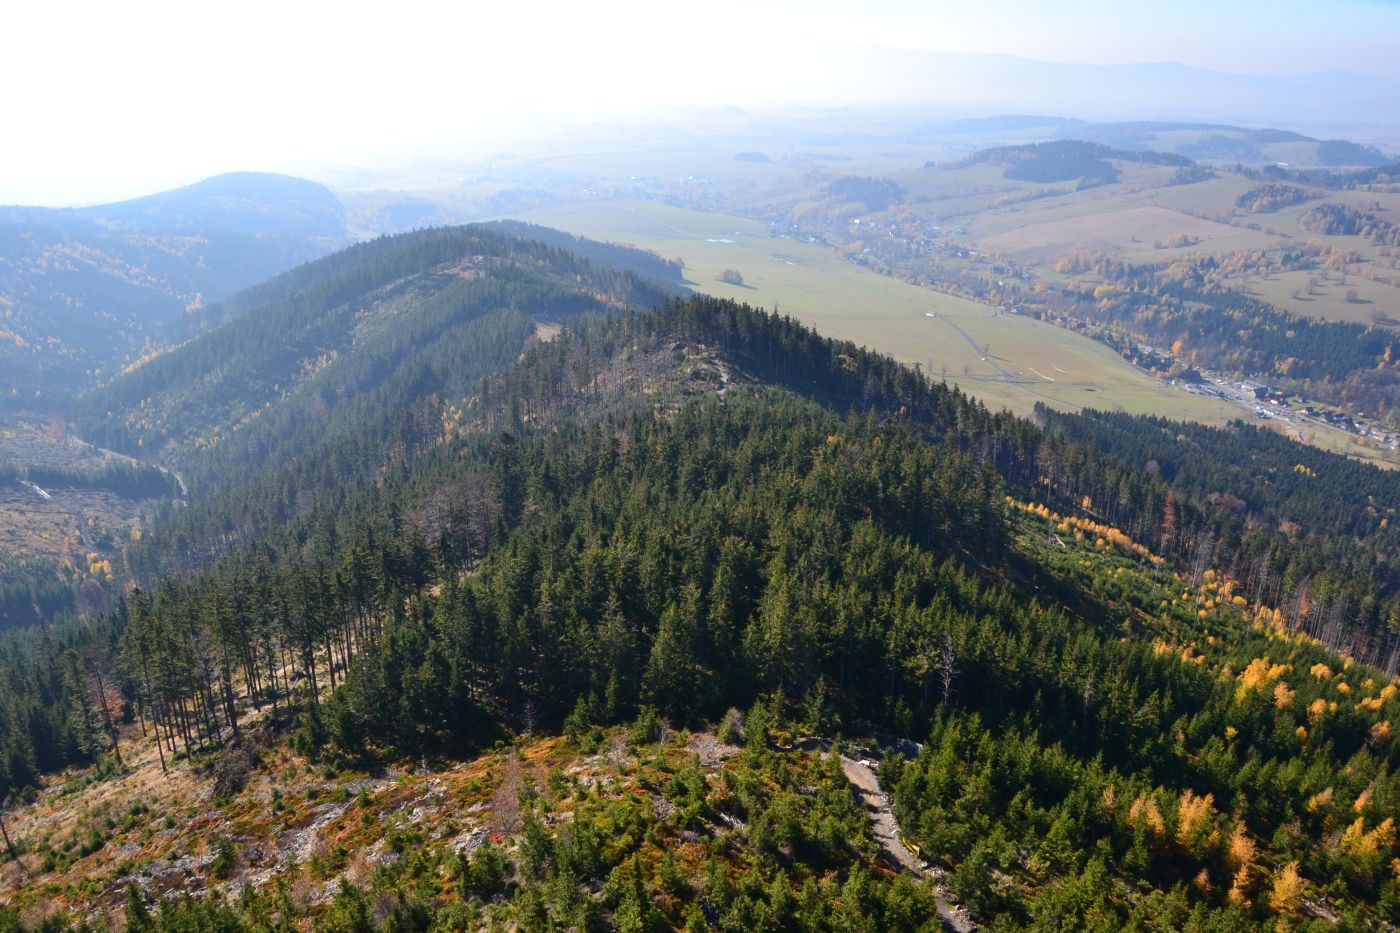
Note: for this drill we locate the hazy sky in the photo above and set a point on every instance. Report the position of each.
(110, 99)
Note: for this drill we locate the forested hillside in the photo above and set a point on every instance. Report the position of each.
(356, 365)
(410, 543)
(84, 290)
(1303, 530)
(1071, 160)
(258, 204)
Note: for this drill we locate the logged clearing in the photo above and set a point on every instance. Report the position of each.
(1006, 360)
(77, 525)
(85, 838)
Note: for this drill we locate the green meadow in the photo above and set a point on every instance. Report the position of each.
(1006, 360)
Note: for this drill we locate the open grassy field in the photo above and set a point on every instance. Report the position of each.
(1136, 230)
(1307, 293)
(1144, 220)
(1114, 219)
(1004, 359)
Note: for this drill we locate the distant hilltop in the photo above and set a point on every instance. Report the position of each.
(88, 290)
(238, 202)
(1134, 140)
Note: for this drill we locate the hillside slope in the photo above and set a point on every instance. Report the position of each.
(1213, 142)
(647, 523)
(254, 203)
(82, 290)
(334, 373)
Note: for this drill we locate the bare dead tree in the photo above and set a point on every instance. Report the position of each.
(1333, 624)
(1392, 655)
(1205, 549)
(5, 833)
(1298, 604)
(947, 666)
(96, 661)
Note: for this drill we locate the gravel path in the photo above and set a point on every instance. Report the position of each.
(877, 804)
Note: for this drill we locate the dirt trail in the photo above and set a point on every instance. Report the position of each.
(184, 493)
(877, 805)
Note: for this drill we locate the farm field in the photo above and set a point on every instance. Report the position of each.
(1004, 359)
(1144, 220)
(1116, 219)
(1040, 239)
(1307, 293)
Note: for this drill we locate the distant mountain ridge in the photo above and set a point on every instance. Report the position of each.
(1194, 140)
(1224, 143)
(1069, 160)
(340, 327)
(84, 290)
(237, 202)
(260, 203)
(1107, 92)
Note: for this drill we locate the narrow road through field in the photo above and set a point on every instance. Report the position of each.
(1005, 375)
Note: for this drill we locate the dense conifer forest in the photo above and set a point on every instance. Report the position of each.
(1125, 673)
